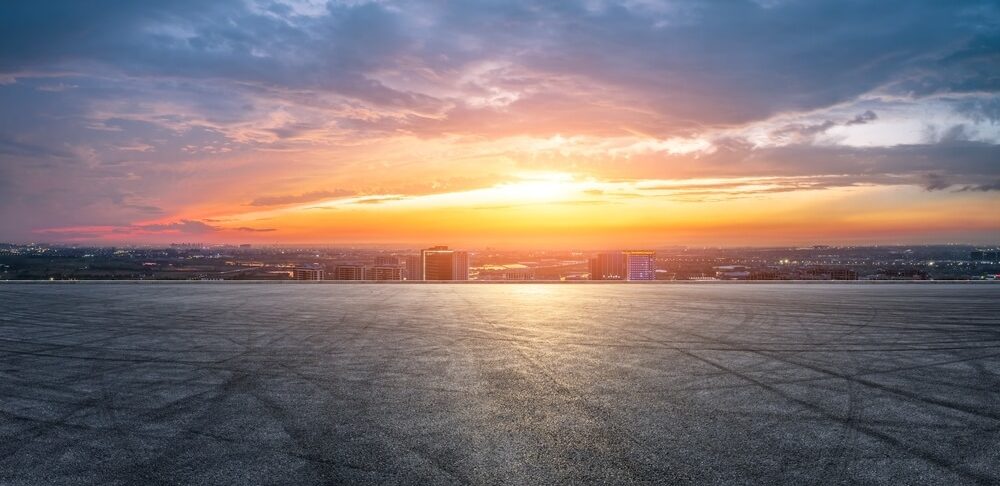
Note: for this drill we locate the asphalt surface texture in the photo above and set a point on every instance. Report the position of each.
(104, 383)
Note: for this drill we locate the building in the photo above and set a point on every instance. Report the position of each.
(349, 272)
(308, 272)
(984, 255)
(413, 267)
(187, 246)
(441, 263)
(827, 273)
(460, 266)
(732, 272)
(437, 263)
(386, 272)
(514, 271)
(843, 274)
(630, 265)
(608, 266)
(386, 261)
(640, 265)
(768, 274)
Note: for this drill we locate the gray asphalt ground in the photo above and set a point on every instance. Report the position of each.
(518, 384)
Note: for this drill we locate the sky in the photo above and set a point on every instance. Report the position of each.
(563, 124)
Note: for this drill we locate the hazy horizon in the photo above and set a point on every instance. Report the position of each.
(418, 246)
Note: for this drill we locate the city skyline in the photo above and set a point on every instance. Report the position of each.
(515, 124)
(192, 261)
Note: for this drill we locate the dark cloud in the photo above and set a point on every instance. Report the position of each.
(955, 133)
(255, 230)
(807, 131)
(980, 109)
(714, 62)
(866, 117)
(802, 130)
(963, 162)
(19, 148)
(989, 186)
(936, 182)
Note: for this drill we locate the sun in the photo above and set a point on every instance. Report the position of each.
(526, 188)
(540, 188)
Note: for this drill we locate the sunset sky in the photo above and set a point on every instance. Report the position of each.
(510, 124)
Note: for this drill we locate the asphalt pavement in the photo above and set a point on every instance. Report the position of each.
(104, 383)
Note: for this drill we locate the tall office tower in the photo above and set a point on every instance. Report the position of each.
(608, 266)
(308, 272)
(349, 272)
(386, 261)
(460, 265)
(414, 267)
(438, 263)
(387, 272)
(640, 265)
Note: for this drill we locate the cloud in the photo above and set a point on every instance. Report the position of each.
(156, 98)
(15, 147)
(255, 230)
(708, 63)
(144, 208)
(989, 186)
(936, 182)
(866, 117)
(956, 133)
(56, 88)
(300, 198)
(801, 132)
(183, 226)
(378, 199)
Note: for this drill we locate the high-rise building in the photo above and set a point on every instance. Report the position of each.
(460, 266)
(440, 263)
(386, 261)
(414, 267)
(624, 265)
(308, 272)
(437, 263)
(608, 266)
(349, 272)
(640, 265)
(387, 272)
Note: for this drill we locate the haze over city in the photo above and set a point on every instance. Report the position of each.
(507, 124)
